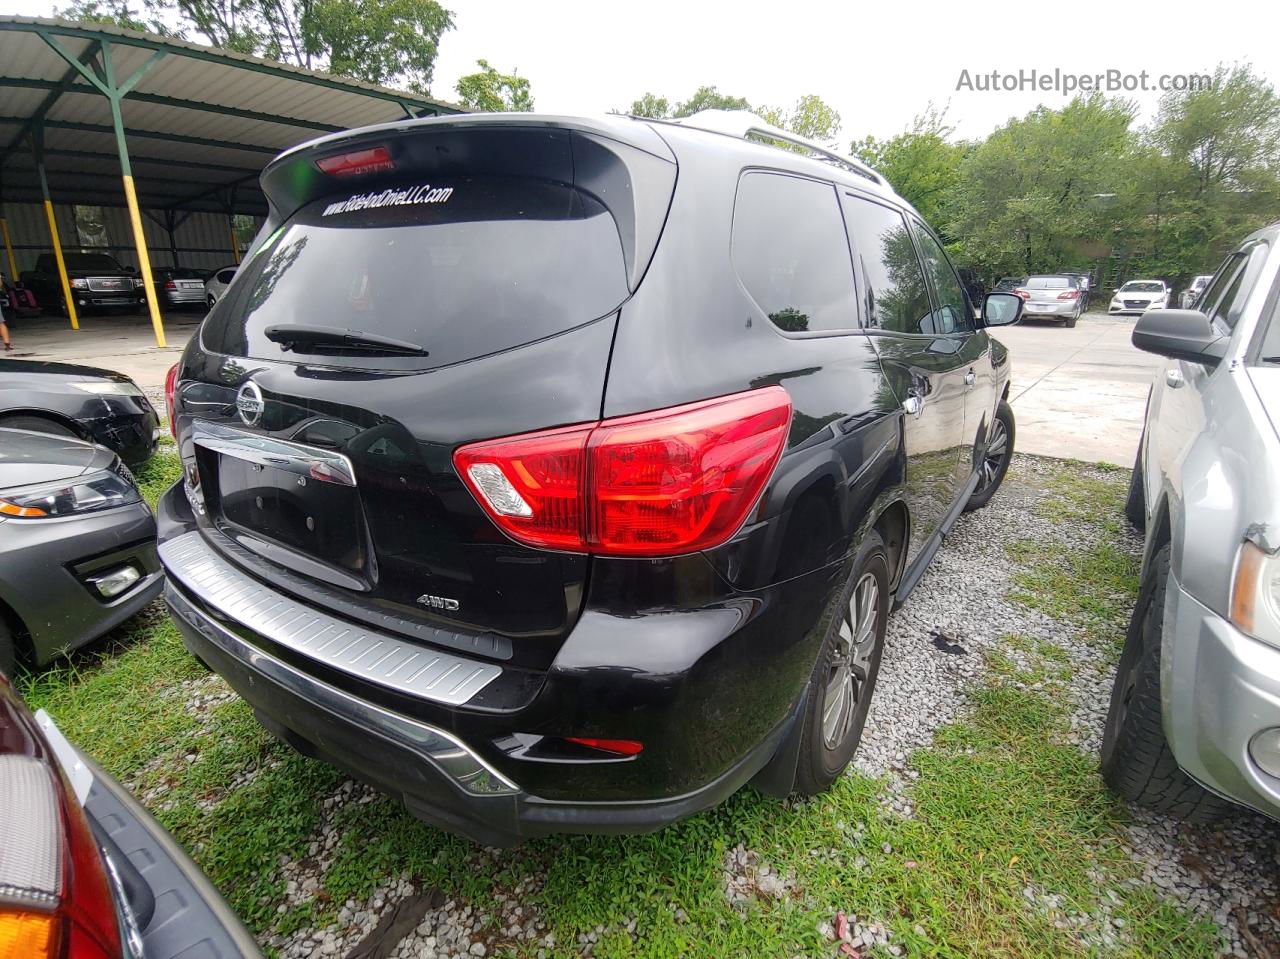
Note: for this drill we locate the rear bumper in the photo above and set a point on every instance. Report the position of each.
(44, 566)
(1219, 688)
(1050, 309)
(190, 918)
(435, 773)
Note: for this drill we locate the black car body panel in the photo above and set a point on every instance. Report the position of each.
(46, 564)
(704, 657)
(125, 423)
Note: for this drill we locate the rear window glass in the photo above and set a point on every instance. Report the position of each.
(463, 269)
(1049, 283)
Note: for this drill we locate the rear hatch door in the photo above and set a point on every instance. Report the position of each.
(390, 317)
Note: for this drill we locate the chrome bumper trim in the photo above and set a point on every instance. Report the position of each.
(377, 657)
(441, 749)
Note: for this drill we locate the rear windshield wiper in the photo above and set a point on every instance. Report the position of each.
(333, 339)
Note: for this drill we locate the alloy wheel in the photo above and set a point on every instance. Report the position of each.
(993, 458)
(851, 661)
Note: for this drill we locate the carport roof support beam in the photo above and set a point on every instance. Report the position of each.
(105, 82)
(37, 149)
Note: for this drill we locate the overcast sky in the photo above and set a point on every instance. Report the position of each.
(878, 64)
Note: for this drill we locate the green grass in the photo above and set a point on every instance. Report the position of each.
(159, 473)
(1002, 804)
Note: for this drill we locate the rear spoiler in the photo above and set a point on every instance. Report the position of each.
(622, 163)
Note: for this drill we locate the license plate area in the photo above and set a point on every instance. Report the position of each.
(293, 505)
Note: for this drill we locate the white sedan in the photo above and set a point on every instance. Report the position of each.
(1138, 296)
(217, 284)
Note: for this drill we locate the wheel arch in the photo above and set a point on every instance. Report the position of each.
(45, 414)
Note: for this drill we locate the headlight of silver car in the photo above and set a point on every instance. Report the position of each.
(1255, 593)
(93, 493)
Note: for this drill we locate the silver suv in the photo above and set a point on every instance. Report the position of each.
(1194, 719)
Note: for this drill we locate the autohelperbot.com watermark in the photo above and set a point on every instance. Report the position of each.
(1067, 82)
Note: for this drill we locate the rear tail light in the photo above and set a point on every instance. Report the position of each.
(372, 160)
(1069, 295)
(170, 285)
(57, 901)
(170, 385)
(656, 484)
(619, 747)
(1023, 293)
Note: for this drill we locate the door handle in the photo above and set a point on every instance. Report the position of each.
(970, 378)
(1174, 378)
(913, 404)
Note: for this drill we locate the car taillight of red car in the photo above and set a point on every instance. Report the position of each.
(170, 384)
(56, 899)
(662, 483)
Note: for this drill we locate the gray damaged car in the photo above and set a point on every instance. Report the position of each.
(77, 545)
(1194, 719)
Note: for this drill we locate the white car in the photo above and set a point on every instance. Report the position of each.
(217, 284)
(1138, 296)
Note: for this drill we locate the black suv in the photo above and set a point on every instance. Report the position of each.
(98, 282)
(559, 475)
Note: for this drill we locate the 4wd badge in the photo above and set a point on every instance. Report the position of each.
(438, 602)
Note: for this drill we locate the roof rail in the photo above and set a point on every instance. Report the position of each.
(745, 125)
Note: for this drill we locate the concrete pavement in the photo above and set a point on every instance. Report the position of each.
(1077, 393)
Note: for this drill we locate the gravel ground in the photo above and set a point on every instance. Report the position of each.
(1227, 873)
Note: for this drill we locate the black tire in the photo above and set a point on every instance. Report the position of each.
(831, 730)
(1135, 502)
(1137, 762)
(1071, 321)
(995, 460)
(37, 424)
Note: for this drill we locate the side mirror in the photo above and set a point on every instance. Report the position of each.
(1001, 309)
(1180, 335)
(131, 269)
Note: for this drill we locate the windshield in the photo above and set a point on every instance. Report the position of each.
(1048, 283)
(92, 261)
(1142, 286)
(461, 270)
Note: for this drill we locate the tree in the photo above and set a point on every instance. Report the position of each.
(1202, 177)
(377, 41)
(650, 105)
(489, 91)
(1028, 198)
(709, 98)
(393, 42)
(920, 163)
(811, 117)
(117, 14)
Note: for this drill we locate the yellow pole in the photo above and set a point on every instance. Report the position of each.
(235, 245)
(62, 266)
(8, 248)
(140, 241)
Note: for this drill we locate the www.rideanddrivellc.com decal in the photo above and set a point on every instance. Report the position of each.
(409, 196)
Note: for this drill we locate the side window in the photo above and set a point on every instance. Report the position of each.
(954, 314)
(896, 298)
(790, 252)
(226, 275)
(1221, 280)
(1228, 308)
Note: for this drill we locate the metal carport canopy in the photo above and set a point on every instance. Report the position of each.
(187, 127)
